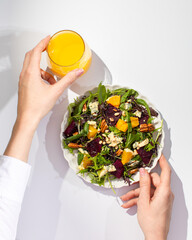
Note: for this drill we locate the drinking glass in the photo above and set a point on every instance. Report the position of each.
(66, 51)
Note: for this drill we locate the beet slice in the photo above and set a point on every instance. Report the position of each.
(153, 112)
(143, 119)
(94, 147)
(72, 128)
(111, 115)
(119, 169)
(145, 156)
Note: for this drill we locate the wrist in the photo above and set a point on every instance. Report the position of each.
(155, 236)
(25, 123)
(21, 138)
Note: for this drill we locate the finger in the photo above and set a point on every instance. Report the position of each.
(132, 194)
(47, 77)
(155, 179)
(165, 176)
(35, 57)
(135, 193)
(145, 187)
(26, 61)
(130, 203)
(62, 84)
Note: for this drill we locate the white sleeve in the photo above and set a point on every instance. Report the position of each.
(14, 175)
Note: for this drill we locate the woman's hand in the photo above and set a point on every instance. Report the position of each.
(35, 99)
(154, 202)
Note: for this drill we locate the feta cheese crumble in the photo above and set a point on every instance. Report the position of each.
(94, 107)
(114, 140)
(92, 123)
(106, 169)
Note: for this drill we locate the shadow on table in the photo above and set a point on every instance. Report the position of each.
(97, 72)
(52, 137)
(13, 46)
(179, 220)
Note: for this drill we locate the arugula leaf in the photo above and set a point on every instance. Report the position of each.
(80, 157)
(90, 98)
(70, 110)
(131, 138)
(119, 91)
(101, 93)
(105, 150)
(115, 130)
(149, 147)
(102, 160)
(130, 92)
(143, 103)
(129, 122)
(86, 128)
(80, 107)
(73, 138)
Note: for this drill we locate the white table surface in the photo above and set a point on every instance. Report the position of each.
(146, 45)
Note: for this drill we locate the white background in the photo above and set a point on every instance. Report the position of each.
(146, 45)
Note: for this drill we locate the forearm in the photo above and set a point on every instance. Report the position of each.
(21, 138)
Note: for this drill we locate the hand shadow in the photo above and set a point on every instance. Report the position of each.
(179, 219)
(13, 46)
(53, 130)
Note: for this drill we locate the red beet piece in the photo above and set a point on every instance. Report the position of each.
(72, 128)
(119, 169)
(94, 147)
(143, 119)
(145, 156)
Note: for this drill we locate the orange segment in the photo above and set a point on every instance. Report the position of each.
(122, 125)
(134, 121)
(92, 132)
(86, 162)
(114, 100)
(127, 156)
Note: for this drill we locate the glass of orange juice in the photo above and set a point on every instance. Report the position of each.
(66, 51)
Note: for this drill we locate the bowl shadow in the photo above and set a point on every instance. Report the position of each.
(98, 72)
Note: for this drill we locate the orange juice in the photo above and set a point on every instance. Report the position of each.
(66, 51)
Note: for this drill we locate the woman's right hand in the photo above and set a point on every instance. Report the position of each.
(154, 206)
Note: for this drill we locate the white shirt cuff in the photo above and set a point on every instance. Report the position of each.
(14, 175)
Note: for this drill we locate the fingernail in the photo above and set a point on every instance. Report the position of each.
(142, 172)
(79, 72)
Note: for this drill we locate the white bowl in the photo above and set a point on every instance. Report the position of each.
(117, 183)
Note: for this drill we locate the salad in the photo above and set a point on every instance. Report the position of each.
(112, 134)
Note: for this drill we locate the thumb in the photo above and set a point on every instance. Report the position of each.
(145, 187)
(67, 80)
